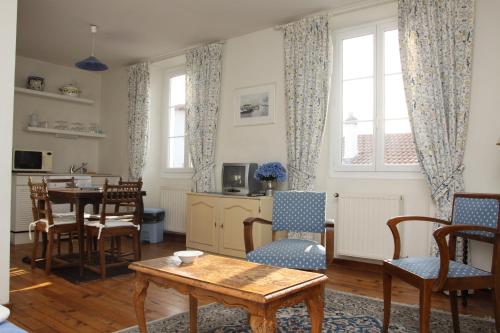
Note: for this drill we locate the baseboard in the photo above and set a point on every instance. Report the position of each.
(8, 306)
(174, 236)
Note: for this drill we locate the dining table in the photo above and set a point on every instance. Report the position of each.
(81, 197)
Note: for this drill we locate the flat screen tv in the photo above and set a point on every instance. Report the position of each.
(238, 179)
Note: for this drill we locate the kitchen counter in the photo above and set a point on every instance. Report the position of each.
(63, 174)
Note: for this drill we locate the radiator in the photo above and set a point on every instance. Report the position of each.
(174, 203)
(361, 228)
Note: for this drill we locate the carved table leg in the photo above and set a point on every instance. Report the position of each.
(193, 314)
(265, 324)
(315, 306)
(140, 290)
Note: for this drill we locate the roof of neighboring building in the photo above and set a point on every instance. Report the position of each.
(399, 149)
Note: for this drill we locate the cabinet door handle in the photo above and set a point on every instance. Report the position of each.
(215, 224)
(222, 226)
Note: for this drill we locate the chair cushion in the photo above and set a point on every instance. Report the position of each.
(112, 223)
(291, 253)
(428, 267)
(476, 211)
(59, 220)
(299, 211)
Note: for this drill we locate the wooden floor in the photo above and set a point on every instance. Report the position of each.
(50, 304)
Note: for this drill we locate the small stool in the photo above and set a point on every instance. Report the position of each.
(152, 225)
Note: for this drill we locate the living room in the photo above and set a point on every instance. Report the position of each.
(254, 53)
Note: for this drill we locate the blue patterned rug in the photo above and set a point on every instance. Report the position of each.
(343, 313)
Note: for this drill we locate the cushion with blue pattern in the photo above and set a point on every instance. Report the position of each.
(476, 211)
(299, 211)
(291, 253)
(428, 268)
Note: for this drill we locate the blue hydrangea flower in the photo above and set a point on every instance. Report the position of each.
(271, 171)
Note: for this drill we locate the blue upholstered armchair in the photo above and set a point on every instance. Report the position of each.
(296, 212)
(474, 216)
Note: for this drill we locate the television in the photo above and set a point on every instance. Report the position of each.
(238, 179)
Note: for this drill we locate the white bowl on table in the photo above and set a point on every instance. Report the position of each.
(188, 257)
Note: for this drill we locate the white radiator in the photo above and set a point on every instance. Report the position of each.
(361, 228)
(174, 203)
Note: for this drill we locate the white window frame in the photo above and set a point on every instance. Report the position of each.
(166, 171)
(378, 167)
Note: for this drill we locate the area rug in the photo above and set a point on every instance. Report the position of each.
(72, 273)
(343, 313)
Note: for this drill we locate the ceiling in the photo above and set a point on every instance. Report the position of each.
(57, 31)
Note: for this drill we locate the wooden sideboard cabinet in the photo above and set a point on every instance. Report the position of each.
(215, 222)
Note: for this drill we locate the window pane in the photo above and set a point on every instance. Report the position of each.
(357, 142)
(177, 120)
(177, 90)
(357, 99)
(392, 62)
(357, 57)
(394, 99)
(176, 152)
(398, 143)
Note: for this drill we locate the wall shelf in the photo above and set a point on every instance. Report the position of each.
(65, 133)
(53, 96)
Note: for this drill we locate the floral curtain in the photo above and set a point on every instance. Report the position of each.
(138, 118)
(436, 56)
(307, 78)
(203, 75)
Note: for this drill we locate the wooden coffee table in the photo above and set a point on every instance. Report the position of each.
(261, 290)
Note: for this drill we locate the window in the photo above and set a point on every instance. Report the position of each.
(176, 148)
(371, 128)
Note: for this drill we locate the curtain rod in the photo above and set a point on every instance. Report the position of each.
(342, 10)
(176, 53)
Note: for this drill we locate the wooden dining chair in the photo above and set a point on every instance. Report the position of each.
(68, 182)
(116, 224)
(474, 216)
(44, 221)
(294, 211)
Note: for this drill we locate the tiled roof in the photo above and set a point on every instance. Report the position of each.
(399, 149)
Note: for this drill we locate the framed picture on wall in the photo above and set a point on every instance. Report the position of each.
(254, 105)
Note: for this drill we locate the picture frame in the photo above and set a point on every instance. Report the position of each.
(255, 105)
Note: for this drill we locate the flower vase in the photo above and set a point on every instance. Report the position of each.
(270, 188)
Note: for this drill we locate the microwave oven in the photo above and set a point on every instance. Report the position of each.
(32, 160)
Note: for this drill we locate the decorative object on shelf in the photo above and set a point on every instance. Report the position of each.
(270, 173)
(61, 125)
(34, 120)
(254, 105)
(70, 90)
(92, 63)
(35, 83)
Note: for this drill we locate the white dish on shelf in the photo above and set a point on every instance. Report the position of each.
(188, 257)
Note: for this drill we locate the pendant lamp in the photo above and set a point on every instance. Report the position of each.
(92, 63)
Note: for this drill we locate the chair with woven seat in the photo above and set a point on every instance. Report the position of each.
(44, 221)
(294, 211)
(474, 216)
(116, 224)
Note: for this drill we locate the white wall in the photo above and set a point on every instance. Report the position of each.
(113, 152)
(8, 15)
(482, 156)
(66, 151)
(257, 58)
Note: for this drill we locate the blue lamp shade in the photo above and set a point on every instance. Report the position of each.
(91, 64)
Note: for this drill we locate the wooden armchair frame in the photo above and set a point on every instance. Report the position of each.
(327, 237)
(447, 251)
